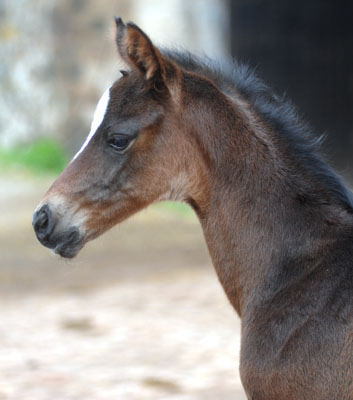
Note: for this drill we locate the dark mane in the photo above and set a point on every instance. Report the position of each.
(278, 112)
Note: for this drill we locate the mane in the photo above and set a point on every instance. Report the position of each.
(278, 112)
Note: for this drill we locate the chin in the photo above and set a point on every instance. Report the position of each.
(69, 243)
(68, 251)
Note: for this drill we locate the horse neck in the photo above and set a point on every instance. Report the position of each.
(254, 223)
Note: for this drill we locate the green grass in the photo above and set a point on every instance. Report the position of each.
(179, 208)
(42, 156)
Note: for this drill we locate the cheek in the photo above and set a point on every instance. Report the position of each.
(143, 178)
(139, 177)
(97, 176)
(148, 173)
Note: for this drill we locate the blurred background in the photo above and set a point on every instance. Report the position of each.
(140, 313)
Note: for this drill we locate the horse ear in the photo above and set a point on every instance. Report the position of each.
(136, 48)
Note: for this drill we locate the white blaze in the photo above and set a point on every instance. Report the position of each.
(97, 119)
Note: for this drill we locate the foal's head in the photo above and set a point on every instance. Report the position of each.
(137, 152)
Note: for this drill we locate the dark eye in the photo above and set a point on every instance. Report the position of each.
(119, 142)
(124, 73)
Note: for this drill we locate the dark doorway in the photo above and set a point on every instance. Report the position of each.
(304, 48)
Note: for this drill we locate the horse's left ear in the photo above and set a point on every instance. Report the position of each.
(136, 48)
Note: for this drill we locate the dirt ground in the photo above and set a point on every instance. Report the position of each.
(138, 315)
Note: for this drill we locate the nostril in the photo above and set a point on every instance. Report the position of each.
(43, 223)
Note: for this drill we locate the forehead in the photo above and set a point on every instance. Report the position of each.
(131, 99)
(98, 118)
(125, 105)
(117, 94)
(126, 92)
(101, 110)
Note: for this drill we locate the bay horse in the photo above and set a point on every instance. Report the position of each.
(277, 220)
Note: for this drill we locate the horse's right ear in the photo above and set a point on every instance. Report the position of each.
(137, 50)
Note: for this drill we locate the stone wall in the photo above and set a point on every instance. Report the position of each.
(58, 56)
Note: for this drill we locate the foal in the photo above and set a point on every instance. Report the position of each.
(278, 222)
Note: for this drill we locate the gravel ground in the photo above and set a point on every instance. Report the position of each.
(138, 315)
